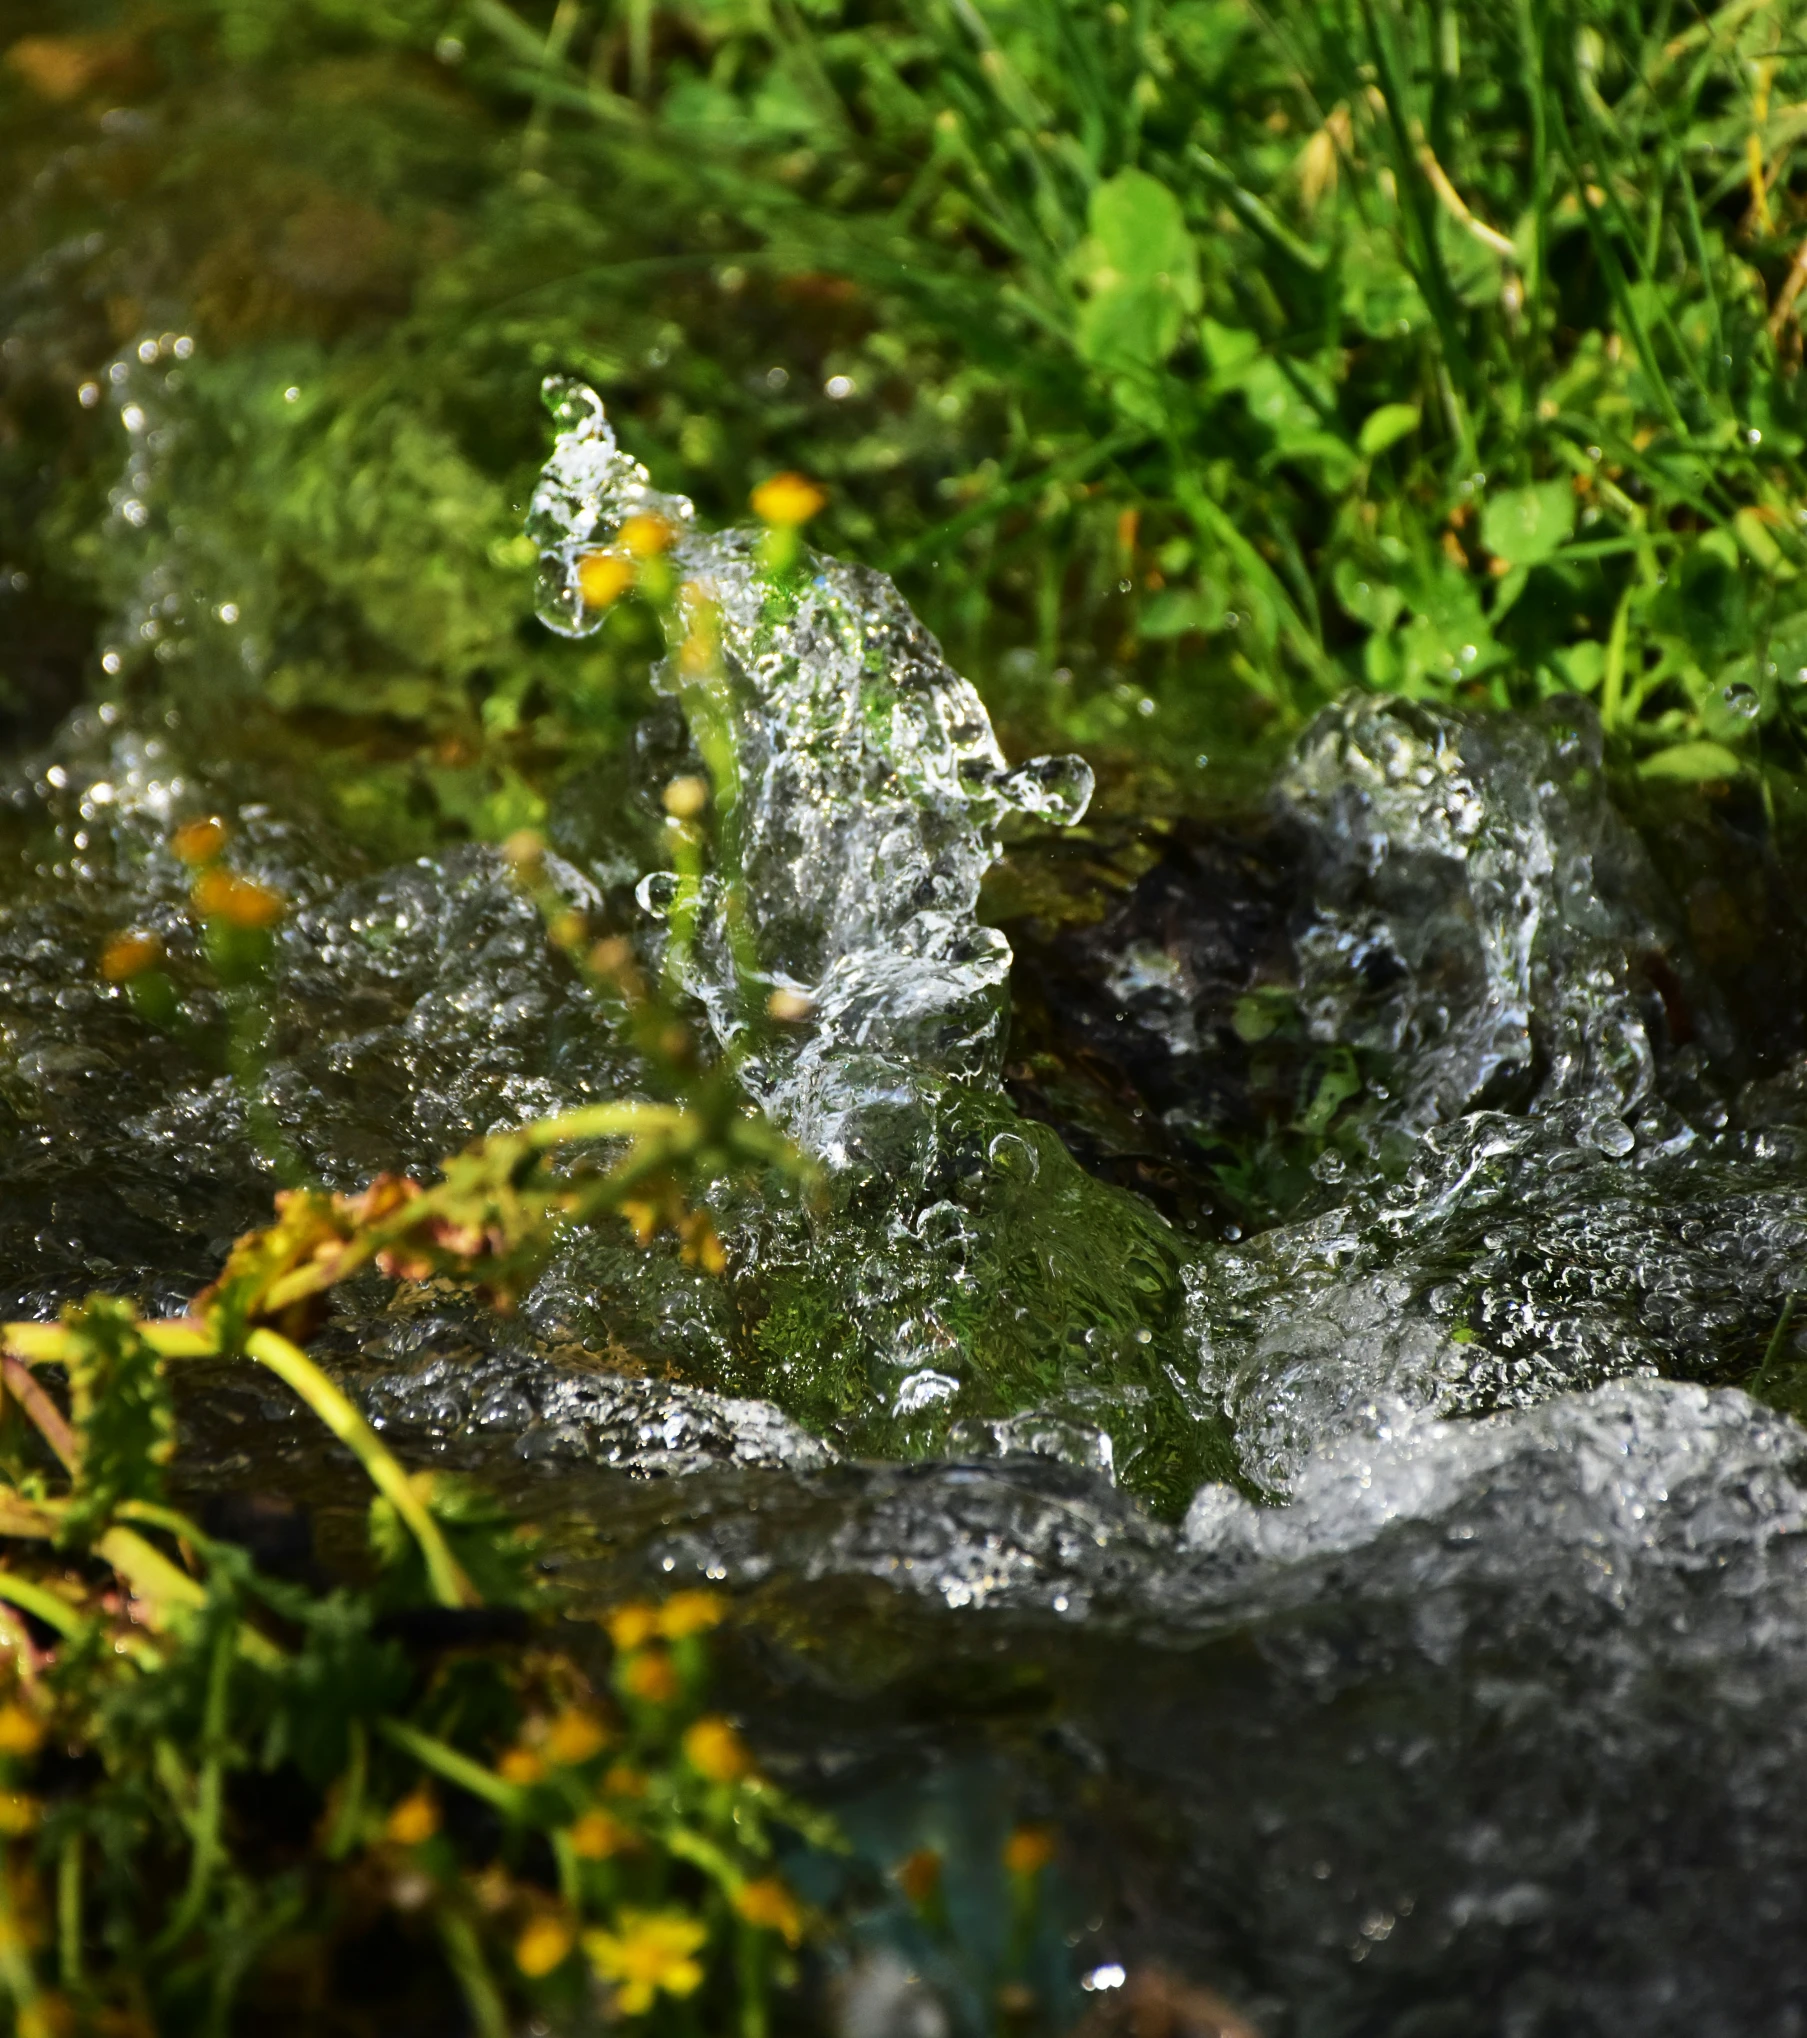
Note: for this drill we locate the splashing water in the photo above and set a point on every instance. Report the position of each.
(969, 1273)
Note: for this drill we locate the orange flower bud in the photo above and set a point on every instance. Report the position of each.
(713, 1749)
(646, 536)
(634, 1625)
(603, 578)
(622, 1780)
(598, 1835)
(129, 955)
(573, 1738)
(1028, 1850)
(768, 1904)
(544, 1944)
(20, 1734)
(413, 1821)
(685, 798)
(691, 1613)
(787, 500)
(919, 1875)
(238, 901)
(199, 842)
(522, 1766)
(649, 1676)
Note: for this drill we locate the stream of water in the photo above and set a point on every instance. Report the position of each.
(1393, 1601)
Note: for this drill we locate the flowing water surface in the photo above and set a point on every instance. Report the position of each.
(1299, 1406)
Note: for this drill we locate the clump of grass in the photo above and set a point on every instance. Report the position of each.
(1188, 361)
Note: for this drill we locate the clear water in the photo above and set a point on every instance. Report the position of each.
(1399, 1611)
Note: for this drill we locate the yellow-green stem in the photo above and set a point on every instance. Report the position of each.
(292, 1366)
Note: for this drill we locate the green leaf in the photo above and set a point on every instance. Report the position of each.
(1367, 597)
(1524, 526)
(1142, 269)
(1691, 761)
(1175, 610)
(1142, 235)
(1386, 427)
(120, 1408)
(1229, 349)
(1129, 325)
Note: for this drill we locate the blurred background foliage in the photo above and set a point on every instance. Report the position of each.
(1187, 361)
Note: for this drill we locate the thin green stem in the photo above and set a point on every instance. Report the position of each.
(292, 1366)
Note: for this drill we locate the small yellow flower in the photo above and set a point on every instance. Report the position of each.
(650, 1953)
(649, 1676)
(1028, 1850)
(544, 1944)
(691, 1613)
(769, 1904)
(787, 500)
(620, 1780)
(685, 798)
(240, 902)
(646, 536)
(522, 1766)
(199, 842)
(573, 1738)
(713, 1749)
(413, 1821)
(525, 850)
(919, 1875)
(19, 1814)
(598, 1835)
(603, 578)
(129, 955)
(20, 1733)
(634, 1625)
(49, 2017)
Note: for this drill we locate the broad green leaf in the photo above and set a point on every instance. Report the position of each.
(1386, 427)
(1367, 597)
(1691, 761)
(1175, 610)
(1142, 235)
(1524, 526)
(1229, 349)
(1129, 325)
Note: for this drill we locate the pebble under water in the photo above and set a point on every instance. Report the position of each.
(1392, 1579)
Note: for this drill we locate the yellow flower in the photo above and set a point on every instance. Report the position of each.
(599, 1834)
(919, 1875)
(649, 1676)
(621, 1781)
(573, 1738)
(633, 1625)
(521, 1765)
(691, 1613)
(20, 1734)
(650, 1953)
(199, 842)
(713, 1749)
(1028, 1850)
(603, 578)
(543, 1945)
(218, 895)
(646, 536)
(129, 955)
(685, 798)
(787, 500)
(768, 1904)
(412, 1821)
(18, 1813)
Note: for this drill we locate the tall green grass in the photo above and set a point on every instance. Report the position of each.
(1187, 361)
